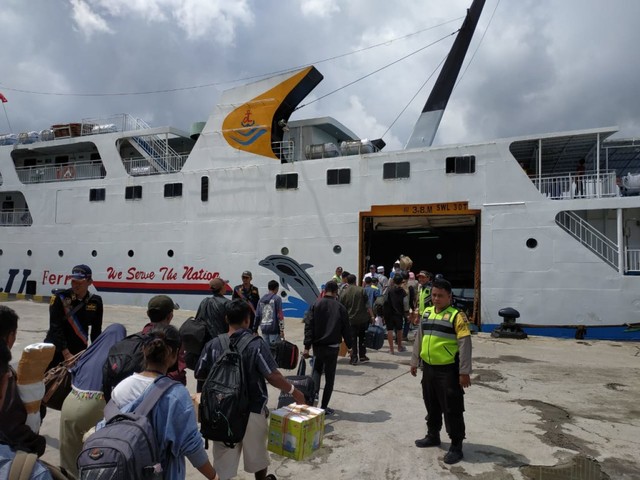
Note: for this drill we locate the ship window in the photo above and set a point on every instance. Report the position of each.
(97, 194)
(396, 170)
(170, 253)
(172, 190)
(133, 192)
(287, 181)
(94, 253)
(463, 164)
(339, 176)
(62, 159)
(94, 156)
(204, 189)
(60, 253)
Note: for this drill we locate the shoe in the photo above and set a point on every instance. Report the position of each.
(454, 455)
(428, 441)
(402, 349)
(391, 352)
(353, 361)
(328, 411)
(271, 476)
(364, 359)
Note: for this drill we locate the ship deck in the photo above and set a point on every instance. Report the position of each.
(538, 408)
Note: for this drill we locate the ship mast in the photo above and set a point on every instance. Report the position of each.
(426, 127)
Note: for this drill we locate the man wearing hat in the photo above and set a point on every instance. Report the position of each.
(383, 281)
(160, 312)
(250, 294)
(74, 315)
(213, 309)
(371, 273)
(424, 291)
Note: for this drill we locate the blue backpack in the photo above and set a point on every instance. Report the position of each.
(125, 448)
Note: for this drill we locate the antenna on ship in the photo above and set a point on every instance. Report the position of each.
(426, 127)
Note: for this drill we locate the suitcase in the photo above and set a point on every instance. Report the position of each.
(375, 337)
(302, 382)
(286, 354)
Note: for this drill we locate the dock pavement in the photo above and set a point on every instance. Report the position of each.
(540, 408)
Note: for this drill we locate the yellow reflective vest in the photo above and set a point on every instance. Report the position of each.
(439, 339)
(425, 291)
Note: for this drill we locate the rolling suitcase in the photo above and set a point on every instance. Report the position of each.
(375, 337)
(286, 354)
(302, 382)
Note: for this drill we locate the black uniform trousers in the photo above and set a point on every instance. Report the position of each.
(443, 396)
(325, 361)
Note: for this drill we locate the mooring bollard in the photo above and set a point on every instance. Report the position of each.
(509, 328)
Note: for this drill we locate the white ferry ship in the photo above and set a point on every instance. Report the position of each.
(510, 222)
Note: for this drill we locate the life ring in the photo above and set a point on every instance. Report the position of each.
(68, 172)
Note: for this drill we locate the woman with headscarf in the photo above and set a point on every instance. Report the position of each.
(84, 406)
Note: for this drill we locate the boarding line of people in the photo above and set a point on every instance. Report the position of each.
(328, 324)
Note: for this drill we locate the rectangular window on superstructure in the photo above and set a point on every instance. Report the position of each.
(133, 192)
(172, 190)
(462, 164)
(97, 194)
(396, 170)
(287, 181)
(204, 189)
(339, 176)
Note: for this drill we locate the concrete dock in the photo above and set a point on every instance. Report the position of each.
(539, 408)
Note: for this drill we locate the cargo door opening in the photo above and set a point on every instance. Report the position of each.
(447, 244)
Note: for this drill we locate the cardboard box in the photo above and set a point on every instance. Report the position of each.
(296, 431)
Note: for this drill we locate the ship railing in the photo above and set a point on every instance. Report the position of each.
(142, 166)
(284, 150)
(633, 260)
(570, 185)
(591, 237)
(61, 172)
(16, 217)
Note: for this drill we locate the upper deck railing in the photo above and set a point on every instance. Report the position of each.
(122, 122)
(61, 172)
(570, 185)
(141, 166)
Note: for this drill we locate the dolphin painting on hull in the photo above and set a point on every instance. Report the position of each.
(292, 276)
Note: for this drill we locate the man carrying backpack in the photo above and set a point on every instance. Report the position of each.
(126, 358)
(213, 308)
(257, 366)
(269, 315)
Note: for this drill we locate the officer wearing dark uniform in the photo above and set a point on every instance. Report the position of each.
(250, 294)
(443, 344)
(75, 315)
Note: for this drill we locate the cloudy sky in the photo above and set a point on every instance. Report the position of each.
(538, 65)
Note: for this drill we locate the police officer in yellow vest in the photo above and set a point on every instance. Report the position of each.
(424, 290)
(444, 345)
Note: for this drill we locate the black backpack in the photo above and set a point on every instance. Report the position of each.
(125, 358)
(194, 335)
(224, 404)
(125, 448)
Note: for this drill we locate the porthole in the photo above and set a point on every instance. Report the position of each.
(60, 253)
(130, 253)
(1, 251)
(532, 243)
(438, 256)
(337, 249)
(283, 294)
(170, 253)
(94, 253)
(284, 251)
(29, 253)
